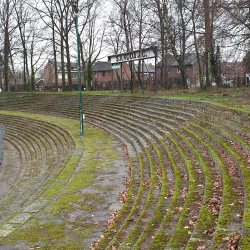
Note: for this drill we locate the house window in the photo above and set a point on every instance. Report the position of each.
(74, 76)
(178, 70)
(59, 76)
(103, 73)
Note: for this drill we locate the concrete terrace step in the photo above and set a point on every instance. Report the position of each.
(37, 171)
(182, 147)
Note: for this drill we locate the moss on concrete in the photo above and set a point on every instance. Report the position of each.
(94, 153)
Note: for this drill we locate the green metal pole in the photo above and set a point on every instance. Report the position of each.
(79, 79)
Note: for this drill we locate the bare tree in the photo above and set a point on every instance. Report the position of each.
(56, 16)
(86, 9)
(124, 21)
(197, 21)
(64, 11)
(37, 48)
(239, 21)
(48, 15)
(92, 47)
(22, 19)
(177, 20)
(159, 26)
(142, 30)
(208, 16)
(7, 29)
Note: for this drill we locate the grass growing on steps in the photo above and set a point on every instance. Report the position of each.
(181, 234)
(228, 197)
(206, 218)
(161, 238)
(151, 201)
(243, 167)
(159, 212)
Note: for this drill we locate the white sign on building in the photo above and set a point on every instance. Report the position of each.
(134, 55)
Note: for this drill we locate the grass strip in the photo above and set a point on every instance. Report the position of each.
(159, 212)
(181, 235)
(226, 211)
(206, 218)
(243, 167)
(161, 238)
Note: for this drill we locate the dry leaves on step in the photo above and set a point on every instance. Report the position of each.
(201, 248)
(234, 242)
(214, 205)
(209, 232)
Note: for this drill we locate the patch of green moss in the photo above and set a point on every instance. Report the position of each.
(245, 242)
(240, 110)
(65, 189)
(51, 235)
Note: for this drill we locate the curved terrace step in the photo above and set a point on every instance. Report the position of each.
(183, 157)
(42, 146)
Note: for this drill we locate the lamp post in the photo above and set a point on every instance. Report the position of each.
(76, 13)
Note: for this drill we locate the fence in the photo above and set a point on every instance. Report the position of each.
(148, 84)
(2, 133)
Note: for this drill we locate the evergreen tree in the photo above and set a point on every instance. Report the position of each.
(216, 66)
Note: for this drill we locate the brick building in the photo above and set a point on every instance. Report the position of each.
(149, 71)
(102, 72)
(102, 75)
(49, 76)
(233, 73)
(174, 74)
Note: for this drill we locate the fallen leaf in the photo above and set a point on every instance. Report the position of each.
(240, 215)
(179, 208)
(201, 248)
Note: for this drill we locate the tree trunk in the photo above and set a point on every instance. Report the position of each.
(124, 13)
(208, 43)
(62, 61)
(68, 65)
(196, 48)
(27, 68)
(13, 70)
(82, 57)
(55, 57)
(66, 40)
(6, 51)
